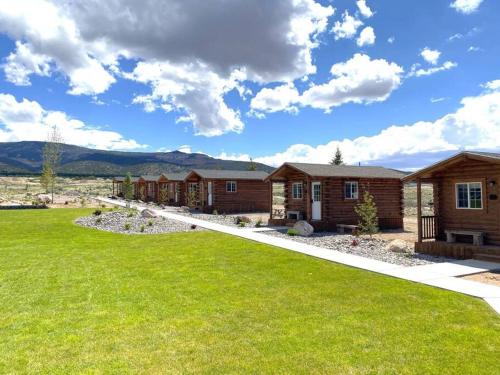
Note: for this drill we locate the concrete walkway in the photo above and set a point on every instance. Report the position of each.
(441, 275)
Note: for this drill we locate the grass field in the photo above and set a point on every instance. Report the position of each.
(79, 300)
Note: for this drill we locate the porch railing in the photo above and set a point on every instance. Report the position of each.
(429, 227)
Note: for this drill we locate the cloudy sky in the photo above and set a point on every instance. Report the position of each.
(394, 83)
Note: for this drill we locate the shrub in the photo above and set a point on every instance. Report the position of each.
(82, 202)
(66, 203)
(142, 228)
(367, 213)
(242, 224)
(292, 232)
(258, 224)
(127, 226)
(98, 220)
(103, 206)
(215, 212)
(130, 214)
(97, 213)
(150, 223)
(354, 242)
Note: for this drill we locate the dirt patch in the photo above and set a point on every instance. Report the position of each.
(491, 277)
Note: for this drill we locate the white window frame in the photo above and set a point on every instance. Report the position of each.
(193, 187)
(301, 190)
(468, 195)
(229, 187)
(354, 195)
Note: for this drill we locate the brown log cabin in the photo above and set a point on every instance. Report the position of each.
(325, 195)
(466, 219)
(227, 191)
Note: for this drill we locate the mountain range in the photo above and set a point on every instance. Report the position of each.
(26, 158)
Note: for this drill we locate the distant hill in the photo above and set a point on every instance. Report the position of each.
(19, 158)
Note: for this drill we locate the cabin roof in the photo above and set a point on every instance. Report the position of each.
(122, 179)
(177, 176)
(328, 170)
(229, 174)
(151, 177)
(427, 172)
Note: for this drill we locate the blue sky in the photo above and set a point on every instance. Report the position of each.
(411, 81)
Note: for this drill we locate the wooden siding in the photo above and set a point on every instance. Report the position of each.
(486, 219)
(335, 209)
(250, 196)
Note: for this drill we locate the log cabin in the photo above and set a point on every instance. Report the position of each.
(172, 189)
(147, 187)
(466, 218)
(326, 195)
(227, 191)
(118, 186)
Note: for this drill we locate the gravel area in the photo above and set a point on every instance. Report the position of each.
(116, 221)
(228, 220)
(366, 247)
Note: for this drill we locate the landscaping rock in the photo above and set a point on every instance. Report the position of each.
(303, 228)
(398, 246)
(184, 209)
(242, 219)
(44, 198)
(147, 213)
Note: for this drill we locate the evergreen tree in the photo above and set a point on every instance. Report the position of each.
(337, 159)
(252, 166)
(128, 189)
(367, 213)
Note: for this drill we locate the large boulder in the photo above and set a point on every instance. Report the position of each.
(303, 228)
(398, 246)
(242, 219)
(147, 213)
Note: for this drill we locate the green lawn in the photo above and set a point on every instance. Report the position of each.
(80, 300)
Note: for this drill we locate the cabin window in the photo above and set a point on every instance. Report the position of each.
(193, 187)
(297, 192)
(469, 195)
(231, 186)
(351, 190)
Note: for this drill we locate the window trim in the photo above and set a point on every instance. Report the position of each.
(230, 190)
(357, 190)
(468, 195)
(301, 184)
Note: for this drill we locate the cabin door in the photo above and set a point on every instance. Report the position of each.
(210, 194)
(316, 200)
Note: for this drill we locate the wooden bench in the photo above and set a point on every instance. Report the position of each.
(477, 237)
(342, 227)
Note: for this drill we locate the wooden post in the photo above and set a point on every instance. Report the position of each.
(270, 199)
(419, 209)
(113, 188)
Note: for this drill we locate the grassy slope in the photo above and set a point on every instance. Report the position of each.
(75, 299)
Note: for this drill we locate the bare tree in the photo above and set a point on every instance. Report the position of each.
(51, 160)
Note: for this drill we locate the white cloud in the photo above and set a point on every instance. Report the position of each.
(364, 9)
(466, 6)
(237, 157)
(21, 63)
(391, 40)
(347, 28)
(430, 55)
(185, 148)
(86, 40)
(475, 125)
(437, 100)
(492, 85)
(358, 80)
(27, 121)
(419, 72)
(455, 37)
(366, 37)
(281, 98)
(473, 49)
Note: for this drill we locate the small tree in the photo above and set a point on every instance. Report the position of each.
(367, 213)
(128, 189)
(51, 159)
(337, 159)
(252, 166)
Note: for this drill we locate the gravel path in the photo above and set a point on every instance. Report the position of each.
(116, 222)
(369, 248)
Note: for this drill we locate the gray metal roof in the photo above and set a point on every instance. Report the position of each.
(121, 179)
(178, 176)
(328, 170)
(151, 177)
(229, 174)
